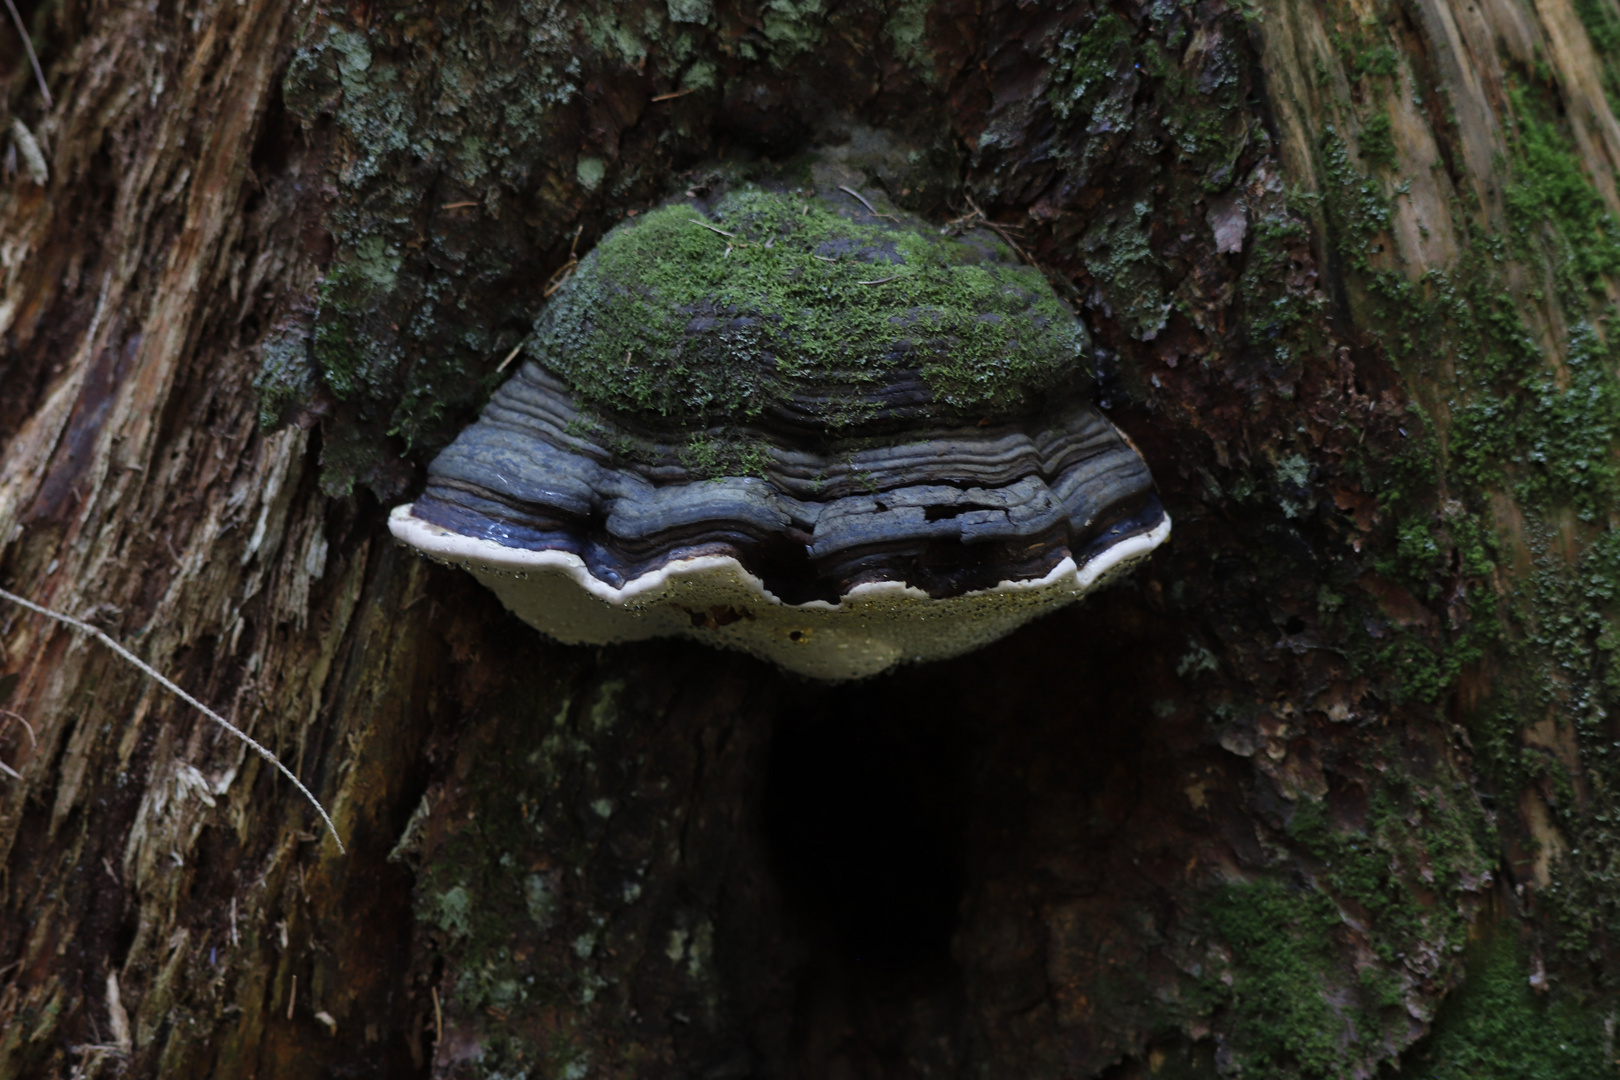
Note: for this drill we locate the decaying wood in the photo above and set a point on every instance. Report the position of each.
(1048, 859)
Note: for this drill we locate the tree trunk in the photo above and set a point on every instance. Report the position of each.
(1328, 787)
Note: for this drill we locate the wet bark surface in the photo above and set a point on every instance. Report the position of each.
(1322, 789)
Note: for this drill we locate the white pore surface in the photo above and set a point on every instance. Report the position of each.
(871, 629)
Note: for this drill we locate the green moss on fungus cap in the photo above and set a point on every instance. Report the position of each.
(806, 307)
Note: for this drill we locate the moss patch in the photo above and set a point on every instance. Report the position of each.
(1551, 197)
(418, 304)
(776, 296)
(1296, 1011)
(1497, 1028)
(1516, 343)
(1377, 141)
(1281, 940)
(286, 377)
(1086, 71)
(1376, 867)
(1602, 22)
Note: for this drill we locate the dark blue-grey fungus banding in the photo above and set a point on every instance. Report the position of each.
(948, 509)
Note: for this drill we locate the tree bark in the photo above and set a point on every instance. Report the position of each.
(1327, 788)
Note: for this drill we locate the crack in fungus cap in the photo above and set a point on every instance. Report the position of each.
(796, 422)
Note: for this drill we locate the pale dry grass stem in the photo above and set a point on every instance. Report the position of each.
(28, 46)
(86, 628)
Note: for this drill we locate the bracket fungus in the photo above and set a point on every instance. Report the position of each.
(794, 422)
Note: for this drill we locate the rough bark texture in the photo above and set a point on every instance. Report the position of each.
(1327, 789)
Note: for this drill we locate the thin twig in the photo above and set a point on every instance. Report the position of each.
(457, 205)
(6, 717)
(975, 211)
(500, 367)
(879, 281)
(438, 1019)
(1002, 232)
(849, 190)
(566, 270)
(977, 216)
(714, 228)
(676, 94)
(869, 207)
(28, 45)
(96, 1049)
(10, 716)
(85, 628)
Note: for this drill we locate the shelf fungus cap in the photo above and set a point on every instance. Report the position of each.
(796, 423)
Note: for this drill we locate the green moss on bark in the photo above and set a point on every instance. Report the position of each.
(397, 343)
(1518, 341)
(1283, 952)
(1496, 1027)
